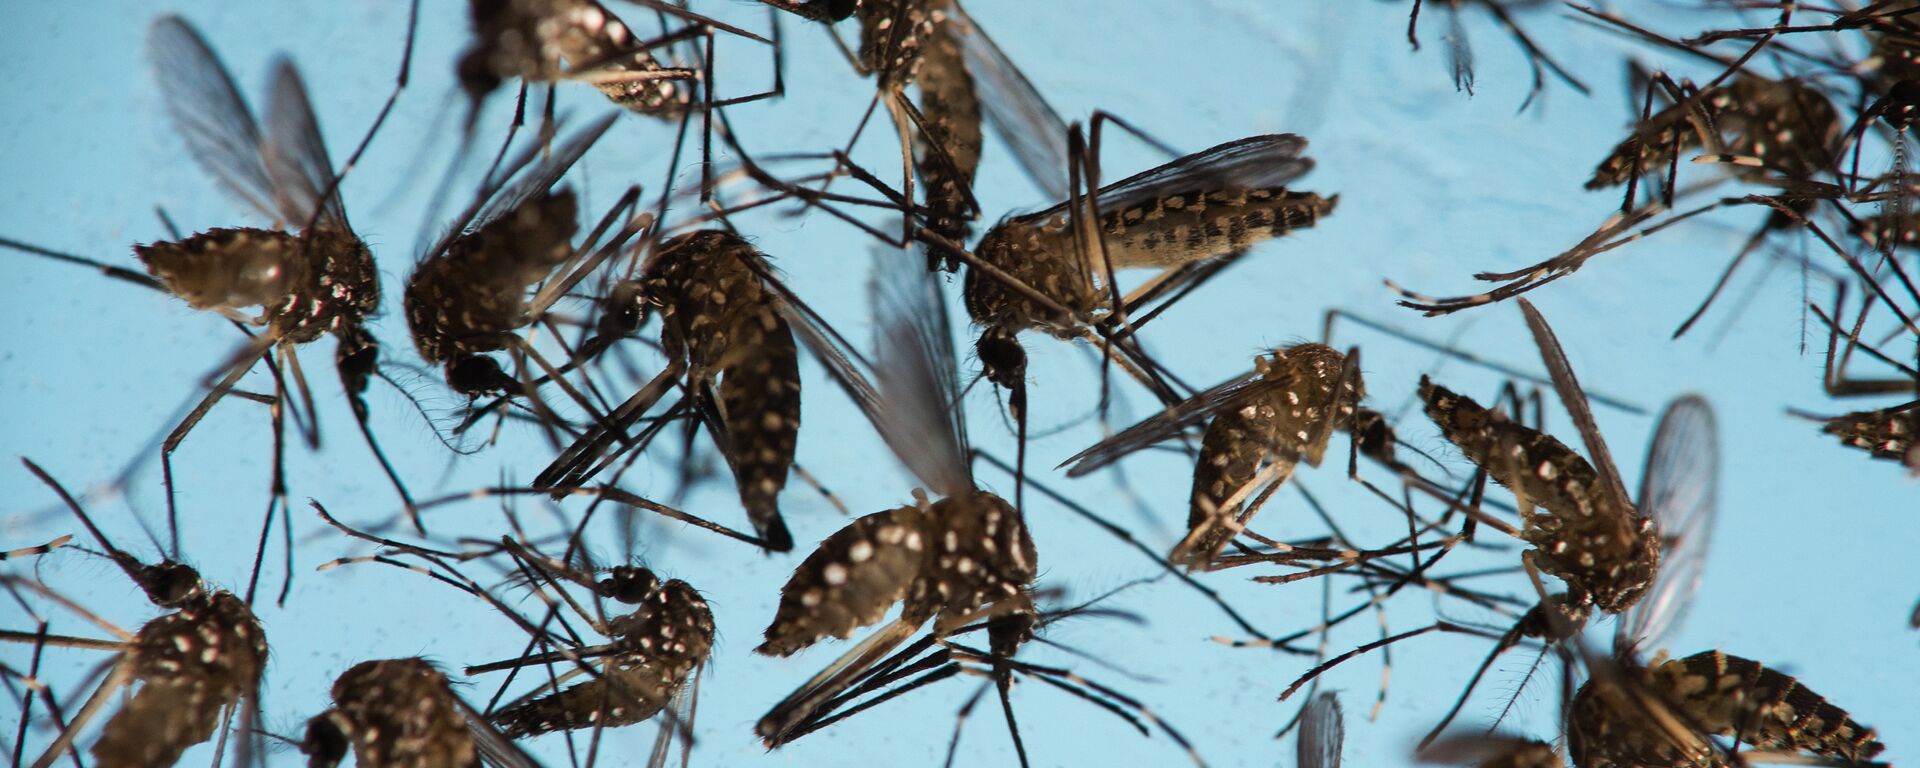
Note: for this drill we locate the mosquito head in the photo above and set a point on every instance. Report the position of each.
(325, 744)
(356, 357)
(624, 310)
(477, 76)
(477, 376)
(1002, 359)
(1011, 629)
(1901, 104)
(1375, 434)
(629, 584)
(169, 584)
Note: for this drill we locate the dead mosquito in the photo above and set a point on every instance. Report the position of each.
(964, 558)
(1259, 426)
(194, 666)
(1664, 712)
(725, 337)
(403, 713)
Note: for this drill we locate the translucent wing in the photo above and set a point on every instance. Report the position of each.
(496, 197)
(1255, 162)
(1680, 492)
(1019, 115)
(1575, 400)
(677, 724)
(209, 113)
(1322, 730)
(296, 155)
(1173, 421)
(496, 750)
(543, 176)
(919, 385)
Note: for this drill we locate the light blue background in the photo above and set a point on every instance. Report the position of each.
(1812, 570)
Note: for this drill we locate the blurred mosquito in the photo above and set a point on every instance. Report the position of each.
(1492, 750)
(1260, 425)
(194, 666)
(1323, 733)
(403, 712)
(934, 658)
(964, 558)
(1460, 51)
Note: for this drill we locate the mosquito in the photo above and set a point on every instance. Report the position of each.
(403, 712)
(724, 335)
(319, 281)
(1493, 750)
(1260, 425)
(650, 663)
(1044, 271)
(933, 658)
(1662, 712)
(1639, 561)
(192, 665)
(964, 558)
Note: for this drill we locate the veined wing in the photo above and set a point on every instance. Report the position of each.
(296, 156)
(209, 112)
(496, 197)
(918, 380)
(1322, 731)
(1255, 162)
(1680, 491)
(1176, 419)
(1019, 115)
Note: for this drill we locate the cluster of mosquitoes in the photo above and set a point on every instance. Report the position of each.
(945, 584)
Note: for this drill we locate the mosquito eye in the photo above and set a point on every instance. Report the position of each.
(1004, 361)
(324, 743)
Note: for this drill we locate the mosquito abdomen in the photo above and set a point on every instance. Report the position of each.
(1184, 228)
(1730, 695)
(225, 268)
(850, 581)
(760, 399)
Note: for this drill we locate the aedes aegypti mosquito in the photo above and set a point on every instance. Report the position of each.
(194, 667)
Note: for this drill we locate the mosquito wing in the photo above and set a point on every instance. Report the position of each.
(296, 156)
(1019, 115)
(496, 750)
(209, 113)
(678, 724)
(543, 176)
(1680, 492)
(1174, 421)
(1322, 731)
(496, 197)
(919, 385)
(1575, 400)
(1255, 162)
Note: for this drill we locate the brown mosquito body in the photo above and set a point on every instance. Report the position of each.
(1597, 543)
(1493, 751)
(192, 665)
(394, 713)
(1259, 428)
(469, 293)
(1784, 125)
(652, 655)
(963, 558)
(1661, 714)
(723, 330)
(550, 40)
(1886, 433)
(1202, 206)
